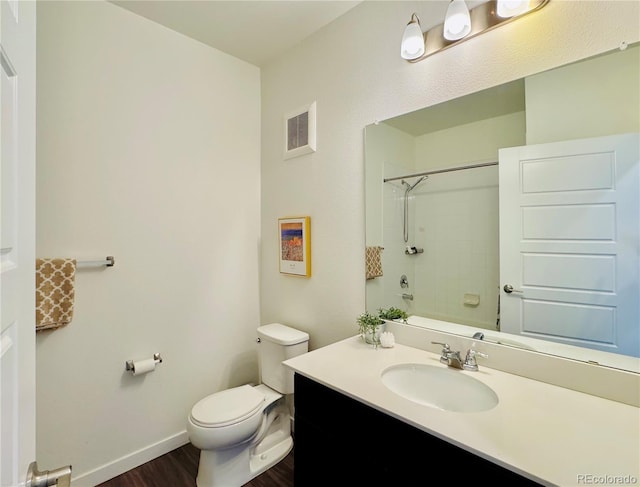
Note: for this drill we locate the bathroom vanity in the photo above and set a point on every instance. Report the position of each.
(350, 427)
(360, 445)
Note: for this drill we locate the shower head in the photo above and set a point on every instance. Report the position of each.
(406, 205)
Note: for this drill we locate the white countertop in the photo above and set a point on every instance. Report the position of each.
(553, 435)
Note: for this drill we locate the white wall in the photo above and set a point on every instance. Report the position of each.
(148, 150)
(470, 143)
(596, 97)
(397, 149)
(353, 70)
(387, 149)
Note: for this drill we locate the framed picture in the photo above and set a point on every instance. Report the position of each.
(294, 237)
(300, 131)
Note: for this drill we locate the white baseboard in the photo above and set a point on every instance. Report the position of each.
(128, 462)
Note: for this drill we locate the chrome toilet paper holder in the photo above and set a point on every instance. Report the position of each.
(129, 363)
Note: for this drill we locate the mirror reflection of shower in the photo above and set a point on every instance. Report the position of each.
(451, 258)
(405, 223)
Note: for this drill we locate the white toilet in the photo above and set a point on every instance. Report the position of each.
(245, 430)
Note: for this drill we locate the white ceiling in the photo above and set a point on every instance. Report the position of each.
(255, 31)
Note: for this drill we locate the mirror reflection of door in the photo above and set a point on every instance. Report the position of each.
(569, 234)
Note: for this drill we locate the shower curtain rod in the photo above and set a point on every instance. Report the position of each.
(438, 171)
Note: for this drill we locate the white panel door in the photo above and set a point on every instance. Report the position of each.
(570, 242)
(17, 240)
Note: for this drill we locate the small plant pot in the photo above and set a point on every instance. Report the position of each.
(372, 336)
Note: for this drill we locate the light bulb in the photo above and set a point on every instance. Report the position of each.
(457, 22)
(412, 46)
(511, 8)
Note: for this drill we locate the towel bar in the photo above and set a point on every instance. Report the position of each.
(109, 261)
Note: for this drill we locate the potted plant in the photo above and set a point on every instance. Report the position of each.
(370, 327)
(392, 314)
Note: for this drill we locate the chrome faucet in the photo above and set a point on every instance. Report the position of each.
(470, 359)
(453, 359)
(448, 356)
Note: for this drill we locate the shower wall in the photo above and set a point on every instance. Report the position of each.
(456, 222)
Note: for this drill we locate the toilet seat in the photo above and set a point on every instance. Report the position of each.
(227, 407)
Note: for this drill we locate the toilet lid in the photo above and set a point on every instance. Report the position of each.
(227, 407)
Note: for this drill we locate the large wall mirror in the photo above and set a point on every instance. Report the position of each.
(513, 214)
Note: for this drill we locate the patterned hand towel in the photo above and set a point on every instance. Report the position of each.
(55, 279)
(373, 261)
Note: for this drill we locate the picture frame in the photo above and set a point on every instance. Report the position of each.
(294, 245)
(300, 131)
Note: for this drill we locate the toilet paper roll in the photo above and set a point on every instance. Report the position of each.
(143, 366)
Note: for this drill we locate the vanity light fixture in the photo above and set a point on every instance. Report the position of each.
(462, 24)
(457, 22)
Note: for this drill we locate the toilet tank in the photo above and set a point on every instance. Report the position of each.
(277, 343)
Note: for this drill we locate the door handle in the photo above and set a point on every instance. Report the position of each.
(508, 288)
(60, 476)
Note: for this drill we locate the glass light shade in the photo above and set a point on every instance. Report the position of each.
(412, 41)
(511, 8)
(457, 22)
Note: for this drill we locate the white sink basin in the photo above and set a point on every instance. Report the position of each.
(439, 387)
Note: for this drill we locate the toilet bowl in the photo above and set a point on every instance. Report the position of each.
(243, 431)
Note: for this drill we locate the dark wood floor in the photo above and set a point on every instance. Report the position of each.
(179, 469)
